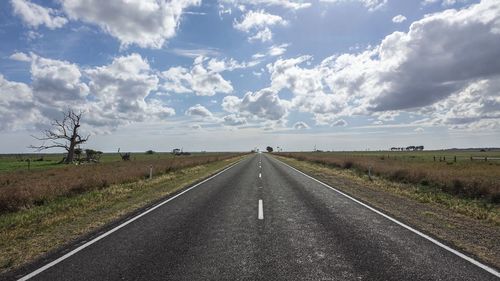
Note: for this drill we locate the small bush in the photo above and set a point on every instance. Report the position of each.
(347, 164)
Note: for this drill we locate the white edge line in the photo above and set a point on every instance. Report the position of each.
(463, 256)
(261, 210)
(60, 259)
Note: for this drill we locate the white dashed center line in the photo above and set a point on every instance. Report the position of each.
(261, 210)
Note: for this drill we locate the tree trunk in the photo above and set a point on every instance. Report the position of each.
(71, 153)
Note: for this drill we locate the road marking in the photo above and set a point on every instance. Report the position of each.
(261, 210)
(425, 236)
(60, 259)
(260, 175)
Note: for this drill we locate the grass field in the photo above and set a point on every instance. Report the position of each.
(19, 162)
(21, 188)
(451, 171)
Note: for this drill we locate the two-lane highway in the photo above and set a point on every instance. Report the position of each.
(262, 220)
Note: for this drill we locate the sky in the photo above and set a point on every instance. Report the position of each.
(233, 75)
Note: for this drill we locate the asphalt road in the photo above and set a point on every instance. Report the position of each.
(300, 230)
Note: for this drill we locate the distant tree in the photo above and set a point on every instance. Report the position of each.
(269, 149)
(150, 152)
(64, 134)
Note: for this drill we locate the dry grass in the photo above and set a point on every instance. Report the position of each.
(476, 180)
(25, 189)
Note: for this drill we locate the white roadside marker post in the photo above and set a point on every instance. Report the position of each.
(150, 171)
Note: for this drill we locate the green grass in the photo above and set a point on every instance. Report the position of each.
(17, 162)
(422, 156)
(27, 234)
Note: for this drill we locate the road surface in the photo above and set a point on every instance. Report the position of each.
(261, 220)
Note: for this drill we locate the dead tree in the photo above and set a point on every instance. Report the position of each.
(125, 156)
(64, 134)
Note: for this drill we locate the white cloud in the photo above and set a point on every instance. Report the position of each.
(19, 56)
(259, 23)
(300, 125)
(372, 5)
(288, 4)
(339, 123)
(200, 79)
(121, 91)
(264, 104)
(199, 111)
(258, 20)
(399, 19)
(115, 94)
(263, 35)
(277, 50)
(475, 107)
(234, 120)
(57, 85)
(147, 24)
(17, 105)
(444, 3)
(35, 15)
(406, 72)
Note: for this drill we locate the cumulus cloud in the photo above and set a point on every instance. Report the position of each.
(399, 19)
(17, 105)
(199, 111)
(475, 107)
(122, 88)
(300, 126)
(147, 24)
(57, 83)
(372, 5)
(259, 23)
(35, 15)
(406, 72)
(203, 79)
(264, 104)
(109, 95)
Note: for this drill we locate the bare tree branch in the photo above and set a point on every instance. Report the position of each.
(64, 134)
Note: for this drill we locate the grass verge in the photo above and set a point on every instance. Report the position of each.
(472, 226)
(28, 234)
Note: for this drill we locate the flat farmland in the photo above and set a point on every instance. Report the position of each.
(462, 173)
(46, 180)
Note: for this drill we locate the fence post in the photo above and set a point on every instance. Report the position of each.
(434, 158)
(455, 159)
(370, 172)
(150, 171)
(486, 159)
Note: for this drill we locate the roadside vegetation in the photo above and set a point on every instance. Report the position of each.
(22, 189)
(48, 208)
(452, 172)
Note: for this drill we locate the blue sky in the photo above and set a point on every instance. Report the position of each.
(234, 75)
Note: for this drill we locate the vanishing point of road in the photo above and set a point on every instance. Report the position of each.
(261, 220)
